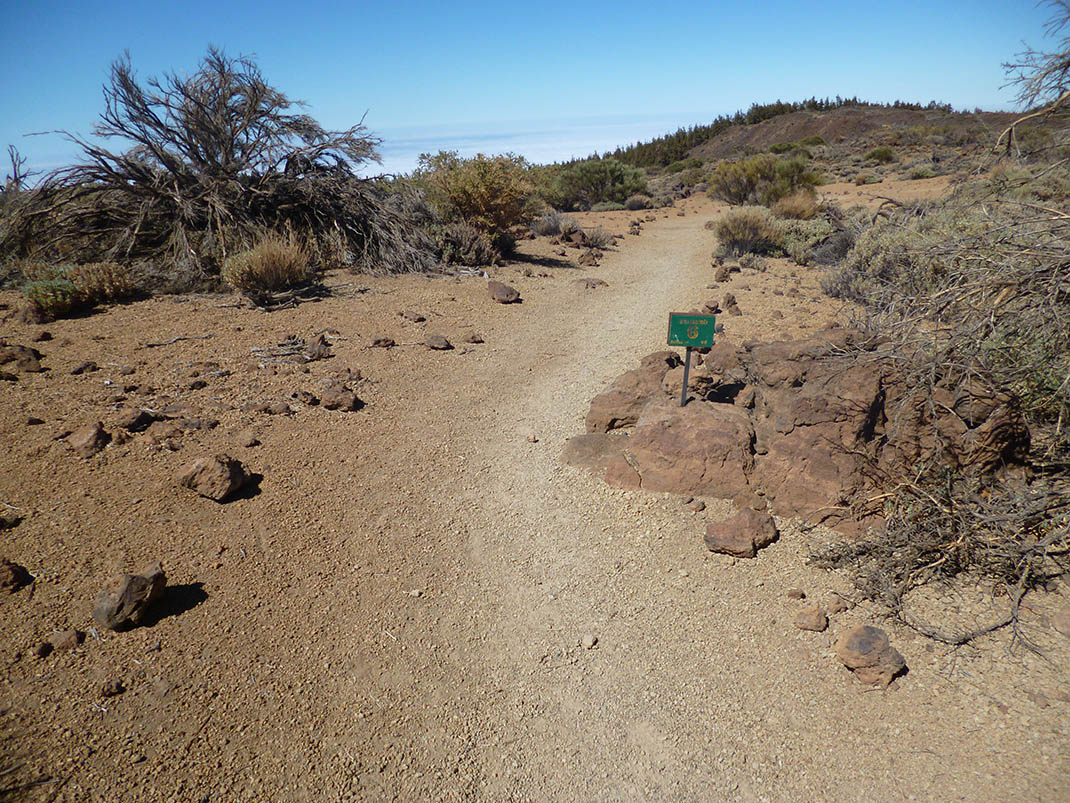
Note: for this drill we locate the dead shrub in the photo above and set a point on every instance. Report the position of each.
(276, 262)
(800, 205)
(598, 238)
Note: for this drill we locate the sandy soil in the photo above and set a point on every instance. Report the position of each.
(399, 612)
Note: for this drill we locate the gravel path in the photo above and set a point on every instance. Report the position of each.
(422, 602)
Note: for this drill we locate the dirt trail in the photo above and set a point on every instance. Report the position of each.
(399, 613)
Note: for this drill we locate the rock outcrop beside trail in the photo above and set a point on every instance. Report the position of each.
(814, 426)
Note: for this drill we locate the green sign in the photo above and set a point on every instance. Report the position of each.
(693, 331)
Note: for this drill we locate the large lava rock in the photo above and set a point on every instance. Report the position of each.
(125, 599)
(805, 421)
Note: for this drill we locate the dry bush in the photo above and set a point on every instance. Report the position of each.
(800, 205)
(212, 160)
(276, 262)
(636, 202)
(748, 230)
(598, 238)
(547, 224)
(101, 282)
(460, 243)
(971, 295)
(569, 225)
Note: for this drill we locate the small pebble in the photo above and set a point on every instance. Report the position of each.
(111, 688)
(588, 641)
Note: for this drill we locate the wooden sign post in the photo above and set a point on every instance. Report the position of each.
(691, 332)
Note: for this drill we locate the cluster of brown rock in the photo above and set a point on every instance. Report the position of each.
(795, 428)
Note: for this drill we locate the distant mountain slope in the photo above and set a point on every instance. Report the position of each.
(853, 125)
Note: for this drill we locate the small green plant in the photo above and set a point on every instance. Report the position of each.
(882, 154)
(749, 229)
(607, 206)
(55, 297)
(637, 202)
(274, 263)
(867, 178)
(813, 141)
(781, 147)
(921, 172)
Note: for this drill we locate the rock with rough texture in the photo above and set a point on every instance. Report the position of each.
(134, 420)
(472, 337)
(413, 316)
(742, 535)
(215, 477)
(812, 618)
(700, 450)
(13, 576)
(9, 519)
(125, 598)
(620, 404)
(589, 258)
(835, 604)
(592, 450)
(383, 343)
(340, 399)
(589, 284)
(502, 293)
(112, 688)
(438, 343)
(721, 273)
(865, 650)
(66, 639)
(26, 358)
(89, 440)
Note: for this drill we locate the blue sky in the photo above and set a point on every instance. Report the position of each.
(546, 79)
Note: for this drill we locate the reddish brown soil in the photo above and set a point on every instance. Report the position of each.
(399, 610)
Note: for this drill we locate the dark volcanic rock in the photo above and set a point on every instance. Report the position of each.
(13, 576)
(125, 598)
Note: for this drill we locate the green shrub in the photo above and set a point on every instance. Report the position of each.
(924, 171)
(637, 202)
(867, 178)
(882, 154)
(760, 179)
(781, 147)
(607, 206)
(57, 290)
(491, 193)
(813, 141)
(581, 185)
(276, 262)
(749, 229)
(683, 164)
(54, 298)
(798, 238)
